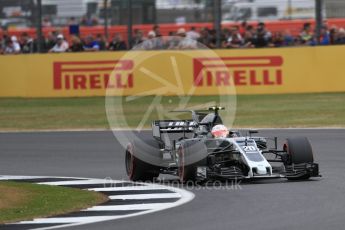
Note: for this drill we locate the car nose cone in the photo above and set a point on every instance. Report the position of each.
(261, 170)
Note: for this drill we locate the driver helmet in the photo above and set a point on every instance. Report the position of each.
(220, 131)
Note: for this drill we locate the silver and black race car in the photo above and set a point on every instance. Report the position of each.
(189, 150)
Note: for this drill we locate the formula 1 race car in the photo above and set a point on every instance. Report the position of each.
(202, 149)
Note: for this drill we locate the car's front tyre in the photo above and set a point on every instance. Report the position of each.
(300, 159)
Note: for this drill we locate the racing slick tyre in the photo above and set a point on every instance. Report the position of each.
(191, 154)
(300, 154)
(140, 170)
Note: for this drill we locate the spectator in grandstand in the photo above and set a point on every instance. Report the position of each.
(333, 34)
(184, 42)
(16, 44)
(102, 41)
(212, 39)
(235, 40)
(12, 46)
(277, 40)
(138, 38)
(298, 41)
(27, 44)
(248, 39)
(73, 26)
(306, 35)
(340, 38)
(288, 38)
(2, 44)
(5, 36)
(236, 29)
(60, 46)
(157, 30)
(262, 37)
(151, 34)
(251, 29)
(117, 43)
(325, 37)
(172, 41)
(91, 44)
(8, 47)
(243, 28)
(159, 42)
(204, 37)
(149, 43)
(261, 29)
(50, 41)
(193, 34)
(208, 38)
(226, 33)
(260, 40)
(77, 45)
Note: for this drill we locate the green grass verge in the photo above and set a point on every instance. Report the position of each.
(293, 110)
(25, 201)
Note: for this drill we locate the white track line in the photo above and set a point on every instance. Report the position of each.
(145, 196)
(130, 188)
(66, 220)
(129, 207)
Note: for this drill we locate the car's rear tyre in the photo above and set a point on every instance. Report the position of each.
(137, 169)
(187, 170)
(299, 152)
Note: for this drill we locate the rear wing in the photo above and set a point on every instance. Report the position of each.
(172, 126)
(199, 117)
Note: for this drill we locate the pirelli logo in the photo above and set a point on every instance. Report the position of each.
(238, 71)
(93, 75)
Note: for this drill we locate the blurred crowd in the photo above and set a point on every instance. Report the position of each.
(241, 36)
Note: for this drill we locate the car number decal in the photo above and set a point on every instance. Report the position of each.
(248, 148)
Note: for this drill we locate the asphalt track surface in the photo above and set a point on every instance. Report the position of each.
(266, 205)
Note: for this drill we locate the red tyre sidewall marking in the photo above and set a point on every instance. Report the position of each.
(286, 148)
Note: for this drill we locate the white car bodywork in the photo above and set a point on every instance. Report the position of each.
(252, 157)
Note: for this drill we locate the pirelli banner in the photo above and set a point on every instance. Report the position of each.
(200, 72)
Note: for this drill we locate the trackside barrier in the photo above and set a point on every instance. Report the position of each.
(251, 71)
